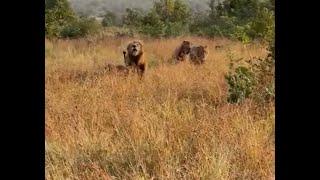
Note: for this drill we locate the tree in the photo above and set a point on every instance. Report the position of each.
(172, 10)
(133, 17)
(109, 19)
(152, 24)
(58, 14)
(181, 12)
(164, 8)
(242, 9)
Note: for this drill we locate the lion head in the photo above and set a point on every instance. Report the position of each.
(182, 51)
(198, 54)
(202, 52)
(185, 47)
(135, 48)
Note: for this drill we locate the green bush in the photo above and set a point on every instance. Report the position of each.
(181, 12)
(198, 23)
(133, 17)
(263, 24)
(72, 30)
(241, 84)
(80, 28)
(174, 14)
(243, 20)
(264, 71)
(61, 21)
(109, 19)
(175, 29)
(241, 33)
(152, 25)
(166, 18)
(244, 10)
(57, 15)
(255, 80)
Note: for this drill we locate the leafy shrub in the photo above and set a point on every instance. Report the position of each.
(57, 15)
(262, 26)
(133, 17)
(174, 29)
(241, 33)
(255, 80)
(241, 83)
(197, 24)
(80, 28)
(109, 19)
(152, 24)
(166, 18)
(264, 71)
(72, 30)
(243, 20)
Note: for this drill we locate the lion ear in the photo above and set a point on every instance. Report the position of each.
(140, 42)
(205, 46)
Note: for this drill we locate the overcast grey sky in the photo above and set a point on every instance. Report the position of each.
(98, 7)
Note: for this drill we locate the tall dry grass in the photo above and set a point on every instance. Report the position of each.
(173, 124)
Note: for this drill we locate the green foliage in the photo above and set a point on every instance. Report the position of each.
(181, 12)
(57, 15)
(264, 71)
(197, 25)
(241, 83)
(165, 9)
(166, 18)
(109, 19)
(241, 33)
(262, 26)
(243, 20)
(174, 29)
(133, 17)
(80, 28)
(152, 24)
(242, 9)
(61, 21)
(255, 80)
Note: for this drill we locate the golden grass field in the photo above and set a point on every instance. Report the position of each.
(175, 123)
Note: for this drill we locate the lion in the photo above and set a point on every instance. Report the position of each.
(134, 57)
(198, 54)
(120, 69)
(182, 51)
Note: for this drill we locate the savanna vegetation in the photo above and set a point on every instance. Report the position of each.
(181, 121)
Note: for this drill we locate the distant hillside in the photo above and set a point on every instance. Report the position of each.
(99, 7)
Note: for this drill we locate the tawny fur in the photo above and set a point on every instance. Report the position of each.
(198, 54)
(182, 52)
(117, 69)
(134, 57)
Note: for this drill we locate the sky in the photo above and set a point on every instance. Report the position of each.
(99, 7)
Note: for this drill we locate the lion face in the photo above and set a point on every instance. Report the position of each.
(202, 52)
(198, 54)
(185, 47)
(135, 48)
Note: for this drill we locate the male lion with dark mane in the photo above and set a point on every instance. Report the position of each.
(134, 57)
(182, 51)
(198, 54)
